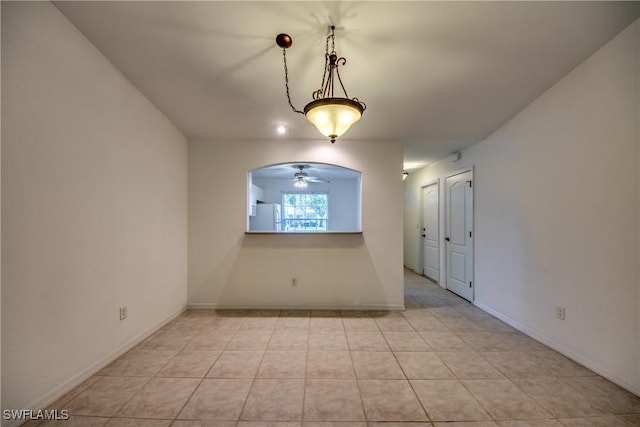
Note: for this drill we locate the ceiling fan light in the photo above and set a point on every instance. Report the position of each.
(333, 116)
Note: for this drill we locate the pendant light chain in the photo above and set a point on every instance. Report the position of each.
(333, 40)
(286, 82)
(317, 94)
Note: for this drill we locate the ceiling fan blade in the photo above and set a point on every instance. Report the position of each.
(314, 179)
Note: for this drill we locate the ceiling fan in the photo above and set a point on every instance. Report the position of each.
(301, 179)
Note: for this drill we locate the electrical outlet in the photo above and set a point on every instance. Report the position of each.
(123, 312)
(294, 281)
(560, 313)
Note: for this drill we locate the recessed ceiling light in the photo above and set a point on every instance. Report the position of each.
(281, 129)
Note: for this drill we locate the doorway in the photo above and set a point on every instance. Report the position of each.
(430, 232)
(459, 234)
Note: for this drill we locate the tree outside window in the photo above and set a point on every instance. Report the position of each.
(305, 211)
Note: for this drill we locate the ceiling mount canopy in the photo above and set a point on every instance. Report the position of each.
(331, 114)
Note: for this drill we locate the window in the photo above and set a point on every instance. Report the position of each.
(305, 211)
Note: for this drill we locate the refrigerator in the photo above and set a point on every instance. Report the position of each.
(267, 218)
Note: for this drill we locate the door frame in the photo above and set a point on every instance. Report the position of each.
(435, 182)
(443, 229)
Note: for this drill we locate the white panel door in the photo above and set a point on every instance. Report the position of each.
(459, 234)
(430, 233)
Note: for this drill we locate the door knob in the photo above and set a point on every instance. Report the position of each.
(424, 235)
(447, 239)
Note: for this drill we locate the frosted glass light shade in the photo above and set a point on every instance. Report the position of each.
(333, 116)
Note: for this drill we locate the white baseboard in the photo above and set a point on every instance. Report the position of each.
(214, 306)
(560, 348)
(55, 394)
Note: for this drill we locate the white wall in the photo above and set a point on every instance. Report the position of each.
(0, 245)
(230, 269)
(556, 193)
(343, 198)
(94, 208)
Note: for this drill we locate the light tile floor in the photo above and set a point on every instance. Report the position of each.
(442, 362)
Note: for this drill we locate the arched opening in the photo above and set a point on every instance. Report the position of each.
(304, 197)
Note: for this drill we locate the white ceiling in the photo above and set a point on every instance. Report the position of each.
(436, 76)
(317, 170)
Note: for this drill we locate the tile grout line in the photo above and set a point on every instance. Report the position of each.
(194, 389)
(255, 376)
(395, 357)
(201, 380)
(357, 380)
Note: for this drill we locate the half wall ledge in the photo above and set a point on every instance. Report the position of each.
(304, 233)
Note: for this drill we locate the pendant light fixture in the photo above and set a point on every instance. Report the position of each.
(331, 114)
